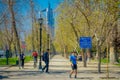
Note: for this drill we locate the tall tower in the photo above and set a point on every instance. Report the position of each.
(49, 24)
(50, 20)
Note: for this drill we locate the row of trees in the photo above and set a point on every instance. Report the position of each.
(98, 19)
(8, 27)
(17, 16)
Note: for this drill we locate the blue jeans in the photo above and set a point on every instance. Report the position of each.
(46, 66)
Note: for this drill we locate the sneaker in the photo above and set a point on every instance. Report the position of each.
(42, 70)
(47, 72)
(69, 76)
(75, 76)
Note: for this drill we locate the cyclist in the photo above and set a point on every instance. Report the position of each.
(35, 55)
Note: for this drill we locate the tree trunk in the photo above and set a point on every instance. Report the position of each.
(14, 29)
(88, 55)
(65, 52)
(113, 49)
(32, 15)
(84, 57)
(112, 54)
(99, 57)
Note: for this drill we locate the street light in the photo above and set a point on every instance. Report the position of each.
(40, 20)
(48, 40)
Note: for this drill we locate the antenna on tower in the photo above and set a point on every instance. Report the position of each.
(48, 3)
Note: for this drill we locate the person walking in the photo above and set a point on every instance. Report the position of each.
(46, 60)
(7, 56)
(35, 55)
(73, 60)
(22, 57)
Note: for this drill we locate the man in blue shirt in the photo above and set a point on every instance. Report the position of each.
(73, 60)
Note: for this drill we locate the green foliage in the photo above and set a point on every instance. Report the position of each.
(36, 37)
(64, 33)
(91, 18)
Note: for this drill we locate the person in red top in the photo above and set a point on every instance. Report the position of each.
(35, 55)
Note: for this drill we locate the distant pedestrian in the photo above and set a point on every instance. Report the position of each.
(73, 60)
(7, 56)
(42, 55)
(35, 55)
(46, 60)
(22, 57)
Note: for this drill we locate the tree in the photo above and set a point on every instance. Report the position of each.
(114, 11)
(13, 22)
(87, 18)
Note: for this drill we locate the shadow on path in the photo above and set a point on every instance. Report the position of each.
(2, 77)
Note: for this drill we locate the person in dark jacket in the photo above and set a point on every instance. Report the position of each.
(22, 57)
(7, 56)
(46, 60)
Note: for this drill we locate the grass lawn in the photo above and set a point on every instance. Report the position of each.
(105, 61)
(118, 64)
(12, 61)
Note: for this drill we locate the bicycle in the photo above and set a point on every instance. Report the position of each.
(35, 62)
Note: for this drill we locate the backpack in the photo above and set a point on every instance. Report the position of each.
(22, 56)
(43, 57)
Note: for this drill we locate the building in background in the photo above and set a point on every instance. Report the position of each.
(49, 21)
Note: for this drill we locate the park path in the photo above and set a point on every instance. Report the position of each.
(59, 70)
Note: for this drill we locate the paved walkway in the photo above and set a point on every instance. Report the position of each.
(59, 70)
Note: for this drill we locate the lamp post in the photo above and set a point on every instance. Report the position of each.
(48, 41)
(40, 22)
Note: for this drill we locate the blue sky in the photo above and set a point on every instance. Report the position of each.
(41, 4)
(23, 11)
(44, 3)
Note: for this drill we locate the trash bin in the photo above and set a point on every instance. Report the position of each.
(17, 62)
